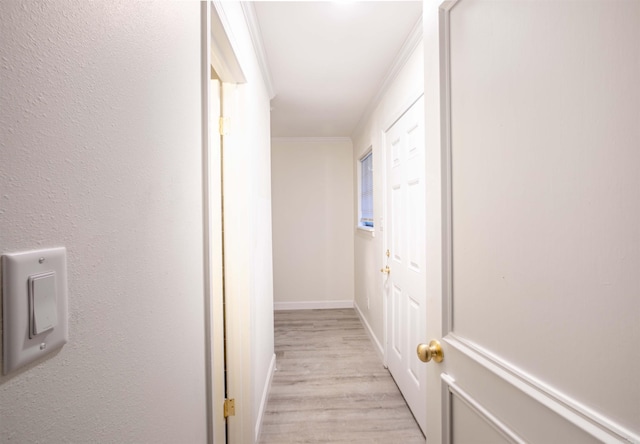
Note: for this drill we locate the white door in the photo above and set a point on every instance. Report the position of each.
(405, 283)
(540, 247)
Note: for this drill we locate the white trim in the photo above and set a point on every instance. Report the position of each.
(446, 325)
(311, 139)
(312, 305)
(367, 230)
(445, 154)
(482, 412)
(265, 397)
(210, 396)
(408, 47)
(212, 247)
(397, 115)
(568, 408)
(384, 159)
(376, 344)
(223, 47)
(256, 38)
(447, 414)
(366, 153)
(364, 149)
(360, 226)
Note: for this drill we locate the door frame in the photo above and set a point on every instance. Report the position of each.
(225, 373)
(212, 245)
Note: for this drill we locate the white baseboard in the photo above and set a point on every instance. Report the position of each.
(311, 305)
(265, 397)
(376, 344)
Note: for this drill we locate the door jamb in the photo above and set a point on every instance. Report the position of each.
(217, 54)
(212, 256)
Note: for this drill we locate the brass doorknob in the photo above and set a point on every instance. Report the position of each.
(386, 270)
(431, 351)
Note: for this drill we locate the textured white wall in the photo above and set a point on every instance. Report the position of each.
(406, 87)
(100, 151)
(313, 217)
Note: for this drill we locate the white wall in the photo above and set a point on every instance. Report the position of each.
(313, 222)
(100, 151)
(248, 251)
(369, 259)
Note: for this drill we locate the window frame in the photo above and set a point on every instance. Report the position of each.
(369, 223)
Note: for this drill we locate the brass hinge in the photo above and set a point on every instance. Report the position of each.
(224, 124)
(229, 407)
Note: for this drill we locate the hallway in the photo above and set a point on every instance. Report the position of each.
(110, 147)
(330, 386)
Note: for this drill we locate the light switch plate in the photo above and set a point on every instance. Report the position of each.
(48, 270)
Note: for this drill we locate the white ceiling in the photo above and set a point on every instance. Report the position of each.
(329, 59)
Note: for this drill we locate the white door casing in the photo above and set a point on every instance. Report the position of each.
(212, 229)
(215, 300)
(404, 239)
(540, 241)
(228, 349)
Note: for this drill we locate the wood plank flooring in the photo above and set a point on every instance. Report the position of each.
(330, 386)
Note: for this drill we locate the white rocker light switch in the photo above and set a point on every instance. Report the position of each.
(42, 296)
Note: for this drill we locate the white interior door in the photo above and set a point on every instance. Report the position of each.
(541, 241)
(405, 283)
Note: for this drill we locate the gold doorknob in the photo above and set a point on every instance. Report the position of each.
(432, 351)
(386, 270)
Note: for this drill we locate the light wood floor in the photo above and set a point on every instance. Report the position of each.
(330, 386)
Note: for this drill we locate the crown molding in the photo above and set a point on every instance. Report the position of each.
(256, 38)
(311, 139)
(410, 44)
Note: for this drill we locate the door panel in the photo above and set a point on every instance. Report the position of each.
(469, 426)
(405, 242)
(396, 226)
(414, 317)
(396, 337)
(509, 402)
(541, 191)
(415, 201)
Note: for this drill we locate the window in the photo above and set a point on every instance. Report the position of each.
(366, 191)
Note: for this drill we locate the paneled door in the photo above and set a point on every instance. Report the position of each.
(540, 315)
(405, 276)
